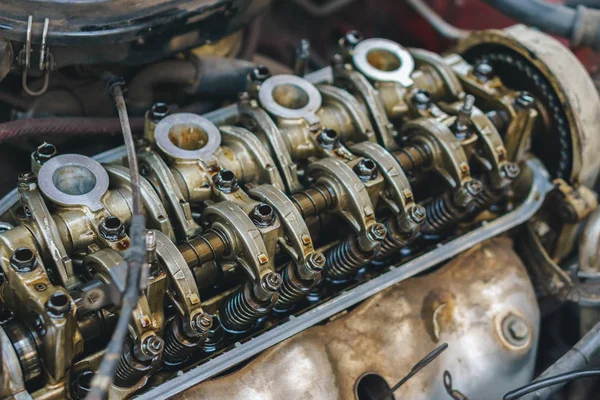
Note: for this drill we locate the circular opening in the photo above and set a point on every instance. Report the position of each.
(369, 164)
(24, 255)
(160, 108)
(265, 210)
(74, 180)
(188, 137)
(373, 387)
(331, 134)
(112, 223)
(227, 175)
(383, 60)
(290, 96)
(59, 300)
(47, 149)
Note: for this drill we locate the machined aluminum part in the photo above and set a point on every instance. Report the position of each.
(384, 61)
(540, 186)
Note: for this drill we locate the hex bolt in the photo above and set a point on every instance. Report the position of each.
(23, 260)
(366, 169)
(351, 39)
(153, 346)
(316, 262)
(112, 229)
(44, 152)
(484, 71)
(26, 178)
(474, 187)
(226, 181)
(58, 304)
(202, 322)
(515, 330)
(422, 99)
(328, 138)
(259, 74)
(262, 215)
(417, 214)
(159, 111)
(525, 100)
(377, 232)
(510, 170)
(271, 282)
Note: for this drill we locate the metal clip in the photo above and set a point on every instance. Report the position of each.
(46, 58)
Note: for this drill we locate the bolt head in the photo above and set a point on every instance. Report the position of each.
(328, 138)
(377, 232)
(23, 260)
(202, 322)
(525, 100)
(510, 170)
(417, 214)
(351, 39)
(112, 229)
(153, 345)
(474, 187)
(516, 330)
(226, 181)
(366, 169)
(483, 70)
(44, 152)
(58, 304)
(26, 178)
(259, 74)
(271, 282)
(262, 215)
(422, 99)
(159, 111)
(317, 261)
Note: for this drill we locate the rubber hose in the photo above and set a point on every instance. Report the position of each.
(580, 25)
(67, 126)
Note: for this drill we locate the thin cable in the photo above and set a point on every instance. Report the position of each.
(438, 23)
(102, 380)
(554, 380)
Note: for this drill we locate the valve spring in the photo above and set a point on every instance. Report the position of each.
(394, 240)
(484, 200)
(240, 311)
(214, 340)
(130, 370)
(345, 259)
(291, 291)
(441, 215)
(178, 346)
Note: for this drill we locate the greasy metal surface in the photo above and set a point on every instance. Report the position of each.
(462, 304)
(568, 78)
(539, 188)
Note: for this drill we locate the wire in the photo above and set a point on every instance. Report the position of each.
(554, 380)
(442, 27)
(135, 258)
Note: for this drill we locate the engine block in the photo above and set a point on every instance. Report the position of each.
(307, 187)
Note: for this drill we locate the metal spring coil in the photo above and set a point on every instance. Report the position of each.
(177, 345)
(130, 370)
(394, 240)
(440, 215)
(486, 198)
(238, 314)
(291, 291)
(344, 260)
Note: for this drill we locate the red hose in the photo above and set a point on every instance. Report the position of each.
(68, 126)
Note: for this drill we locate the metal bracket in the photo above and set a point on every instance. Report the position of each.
(46, 58)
